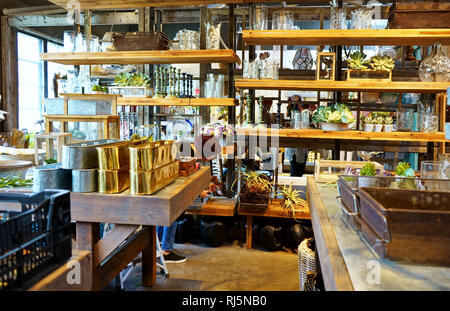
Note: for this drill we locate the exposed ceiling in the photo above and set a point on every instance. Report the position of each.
(13, 4)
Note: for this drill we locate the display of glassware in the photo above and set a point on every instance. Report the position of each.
(95, 44)
(283, 20)
(261, 17)
(428, 123)
(405, 120)
(69, 40)
(338, 17)
(251, 70)
(80, 43)
(214, 86)
(436, 66)
(149, 131)
(189, 39)
(361, 18)
(178, 128)
(213, 37)
(128, 124)
(269, 70)
(432, 170)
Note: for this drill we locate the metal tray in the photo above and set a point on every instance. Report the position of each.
(116, 156)
(83, 155)
(407, 225)
(152, 155)
(149, 182)
(113, 181)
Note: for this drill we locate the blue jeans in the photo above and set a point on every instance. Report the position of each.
(166, 236)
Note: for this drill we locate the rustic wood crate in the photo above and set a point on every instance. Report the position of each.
(408, 14)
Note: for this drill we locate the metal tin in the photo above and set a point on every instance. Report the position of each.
(83, 155)
(51, 176)
(113, 181)
(152, 155)
(116, 156)
(149, 182)
(84, 180)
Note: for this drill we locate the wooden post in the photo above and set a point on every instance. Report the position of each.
(88, 234)
(249, 237)
(10, 93)
(149, 260)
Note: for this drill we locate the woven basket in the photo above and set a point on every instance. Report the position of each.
(306, 262)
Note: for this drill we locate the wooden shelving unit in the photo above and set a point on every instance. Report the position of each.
(347, 37)
(352, 135)
(142, 57)
(349, 86)
(144, 101)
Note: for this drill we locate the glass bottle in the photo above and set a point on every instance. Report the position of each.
(435, 67)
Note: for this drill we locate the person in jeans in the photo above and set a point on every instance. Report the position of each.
(166, 236)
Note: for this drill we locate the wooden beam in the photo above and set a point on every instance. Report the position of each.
(10, 86)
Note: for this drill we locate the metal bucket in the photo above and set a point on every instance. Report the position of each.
(51, 176)
(84, 180)
(83, 155)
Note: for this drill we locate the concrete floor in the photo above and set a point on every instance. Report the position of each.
(229, 267)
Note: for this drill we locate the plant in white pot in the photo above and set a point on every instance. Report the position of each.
(388, 124)
(368, 123)
(378, 126)
(336, 117)
(367, 170)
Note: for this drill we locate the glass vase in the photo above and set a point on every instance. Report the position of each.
(338, 17)
(261, 17)
(435, 67)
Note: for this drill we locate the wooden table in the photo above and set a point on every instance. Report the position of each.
(135, 218)
(275, 209)
(347, 261)
(216, 207)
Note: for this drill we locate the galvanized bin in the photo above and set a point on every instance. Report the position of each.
(51, 176)
(84, 180)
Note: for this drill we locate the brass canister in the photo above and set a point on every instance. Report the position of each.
(150, 181)
(152, 155)
(116, 156)
(113, 181)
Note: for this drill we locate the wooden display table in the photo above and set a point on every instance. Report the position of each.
(58, 279)
(216, 207)
(348, 263)
(275, 209)
(135, 218)
(60, 138)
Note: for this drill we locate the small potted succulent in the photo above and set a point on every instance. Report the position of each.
(368, 123)
(378, 126)
(336, 117)
(367, 170)
(98, 89)
(388, 124)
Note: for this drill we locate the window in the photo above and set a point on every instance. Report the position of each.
(31, 77)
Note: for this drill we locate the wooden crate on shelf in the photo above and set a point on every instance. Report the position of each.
(410, 14)
(369, 75)
(330, 176)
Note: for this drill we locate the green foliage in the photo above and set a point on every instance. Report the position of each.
(403, 169)
(357, 61)
(50, 161)
(12, 182)
(99, 88)
(368, 170)
(336, 113)
(122, 79)
(382, 63)
(135, 79)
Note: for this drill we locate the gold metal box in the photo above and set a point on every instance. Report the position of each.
(113, 181)
(116, 156)
(150, 181)
(152, 155)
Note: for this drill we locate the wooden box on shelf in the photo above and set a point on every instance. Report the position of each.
(187, 166)
(369, 75)
(325, 67)
(253, 200)
(330, 174)
(131, 91)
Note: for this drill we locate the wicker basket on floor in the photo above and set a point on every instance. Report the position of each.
(306, 262)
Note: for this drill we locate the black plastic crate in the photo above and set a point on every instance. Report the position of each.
(35, 236)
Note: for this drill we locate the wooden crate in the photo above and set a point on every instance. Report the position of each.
(409, 14)
(369, 75)
(333, 176)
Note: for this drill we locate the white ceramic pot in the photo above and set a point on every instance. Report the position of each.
(378, 127)
(333, 126)
(388, 127)
(368, 127)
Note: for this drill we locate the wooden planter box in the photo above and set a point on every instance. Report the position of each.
(407, 225)
(249, 200)
(410, 14)
(368, 75)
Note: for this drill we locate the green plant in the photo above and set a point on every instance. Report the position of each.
(403, 169)
(139, 79)
(99, 88)
(379, 120)
(368, 170)
(122, 79)
(388, 120)
(357, 61)
(292, 199)
(255, 182)
(367, 120)
(50, 161)
(382, 63)
(336, 113)
(12, 181)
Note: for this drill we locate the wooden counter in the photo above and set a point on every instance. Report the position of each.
(347, 261)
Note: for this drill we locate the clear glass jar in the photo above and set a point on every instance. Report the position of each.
(405, 120)
(338, 17)
(213, 37)
(261, 15)
(428, 123)
(431, 170)
(269, 70)
(435, 67)
(283, 20)
(361, 18)
(69, 40)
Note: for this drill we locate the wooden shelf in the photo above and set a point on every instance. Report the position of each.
(142, 57)
(350, 135)
(275, 209)
(350, 86)
(73, 96)
(347, 37)
(144, 101)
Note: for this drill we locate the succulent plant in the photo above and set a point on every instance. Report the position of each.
(368, 120)
(379, 120)
(139, 79)
(255, 182)
(368, 170)
(122, 79)
(403, 169)
(382, 63)
(357, 61)
(292, 198)
(388, 120)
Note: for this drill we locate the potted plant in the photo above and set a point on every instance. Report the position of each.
(255, 190)
(336, 117)
(367, 170)
(98, 89)
(368, 123)
(292, 199)
(404, 170)
(378, 126)
(388, 124)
